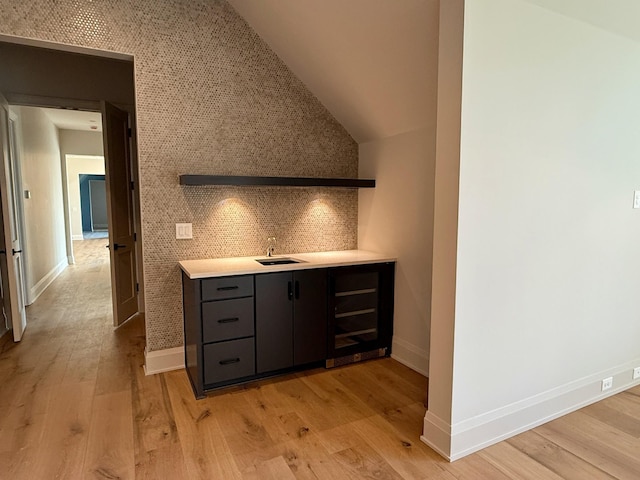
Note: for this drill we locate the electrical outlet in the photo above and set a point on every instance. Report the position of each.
(607, 383)
(636, 373)
(183, 231)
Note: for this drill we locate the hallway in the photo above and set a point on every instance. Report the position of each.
(60, 382)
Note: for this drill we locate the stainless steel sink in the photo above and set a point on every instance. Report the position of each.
(277, 261)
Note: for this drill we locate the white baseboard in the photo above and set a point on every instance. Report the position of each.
(77, 237)
(169, 359)
(437, 434)
(459, 440)
(408, 354)
(35, 291)
(160, 361)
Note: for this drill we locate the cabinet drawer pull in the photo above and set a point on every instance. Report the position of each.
(222, 289)
(229, 361)
(228, 320)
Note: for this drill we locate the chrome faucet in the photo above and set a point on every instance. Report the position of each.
(271, 248)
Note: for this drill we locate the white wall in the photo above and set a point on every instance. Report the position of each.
(44, 211)
(547, 300)
(77, 142)
(396, 217)
(76, 165)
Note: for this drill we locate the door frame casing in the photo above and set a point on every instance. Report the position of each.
(14, 301)
(19, 199)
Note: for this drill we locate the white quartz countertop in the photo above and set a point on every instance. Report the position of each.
(224, 267)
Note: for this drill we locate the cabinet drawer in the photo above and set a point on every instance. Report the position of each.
(228, 360)
(227, 287)
(227, 319)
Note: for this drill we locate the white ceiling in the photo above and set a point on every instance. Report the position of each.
(74, 119)
(617, 16)
(372, 63)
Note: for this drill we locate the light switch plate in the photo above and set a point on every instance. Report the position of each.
(184, 231)
(636, 199)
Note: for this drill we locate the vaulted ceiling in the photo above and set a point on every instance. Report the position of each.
(372, 63)
(621, 17)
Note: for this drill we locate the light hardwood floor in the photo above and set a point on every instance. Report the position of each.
(75, 404)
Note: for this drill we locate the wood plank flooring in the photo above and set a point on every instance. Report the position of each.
(75, 404)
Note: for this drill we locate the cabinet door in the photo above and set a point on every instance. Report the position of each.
(310, 316)
(274, 321)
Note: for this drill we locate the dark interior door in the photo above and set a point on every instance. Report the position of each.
(117, 152)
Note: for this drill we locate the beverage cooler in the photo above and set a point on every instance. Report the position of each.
(360, 312)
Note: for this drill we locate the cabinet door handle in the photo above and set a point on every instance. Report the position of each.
(228, 320)
(233, 287)
(289, 291)
(297, 289)
(229, 361)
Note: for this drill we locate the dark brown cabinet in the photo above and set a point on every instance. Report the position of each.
(219, 330)
(291, 319)
(244, 327)
(274, 326)
(309, 316)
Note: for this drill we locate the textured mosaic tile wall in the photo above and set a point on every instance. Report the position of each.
(212, 98)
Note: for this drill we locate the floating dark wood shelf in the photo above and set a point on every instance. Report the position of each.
(248, 181)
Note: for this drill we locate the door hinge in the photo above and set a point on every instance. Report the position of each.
(135, 237)
(137, 287)
(133, 185)
(129, 132)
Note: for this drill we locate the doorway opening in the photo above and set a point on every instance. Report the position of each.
(86, 199)
(94, 206)
(63, 201)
